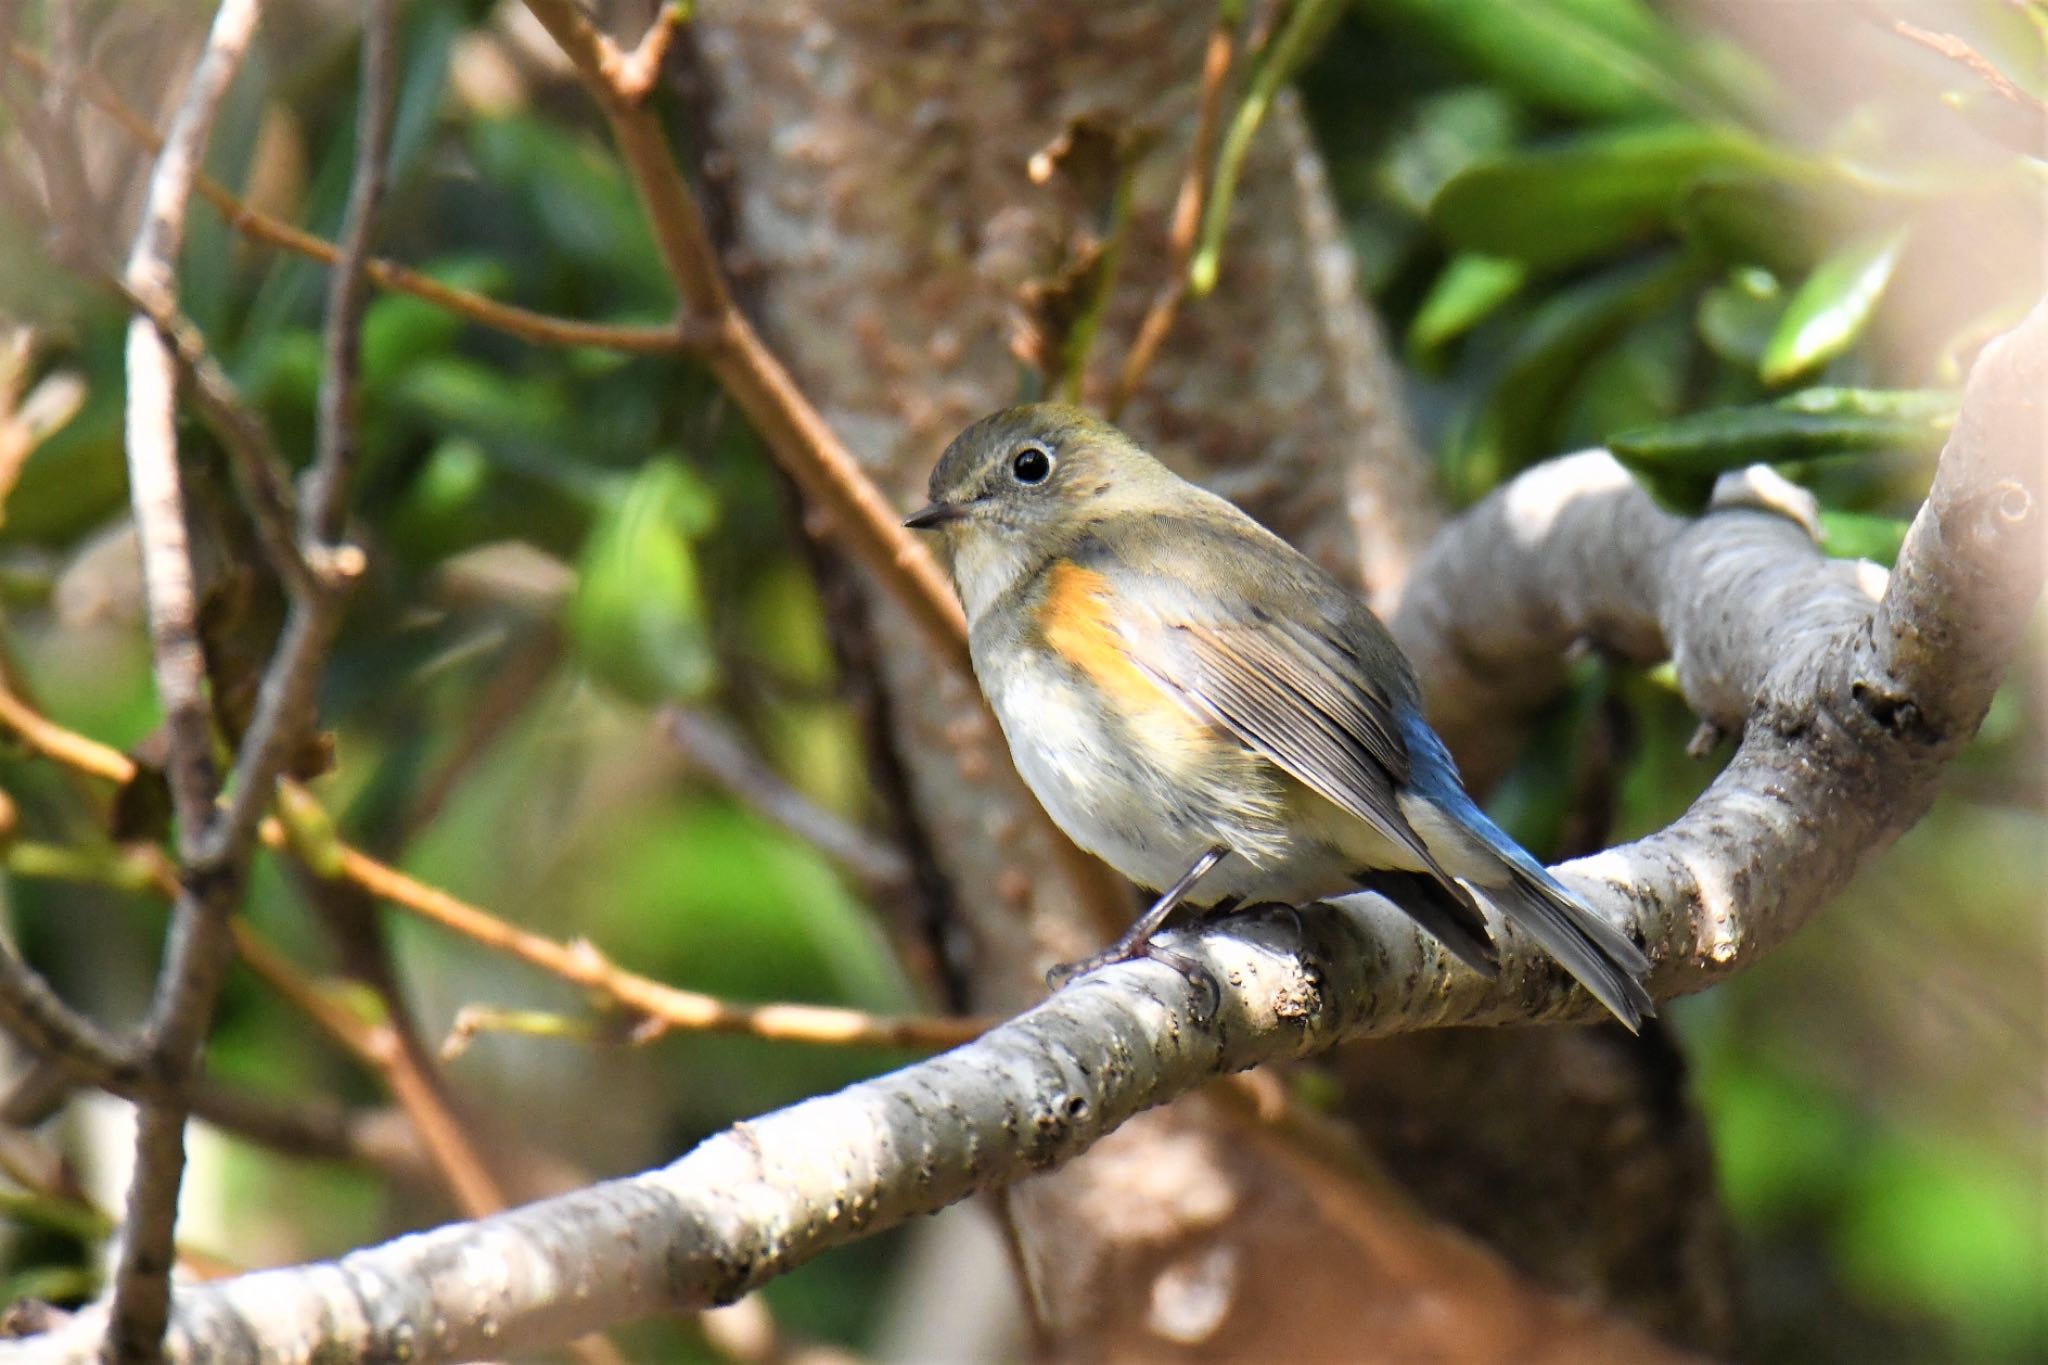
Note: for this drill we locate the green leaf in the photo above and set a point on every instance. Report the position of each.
(1521, 411)
(1449, 132)
(638, 617)
(1801, 426)
(1604, 58)
(1736, 319)
(1831, 309)
(1468, 291)
(1586, 196)
(1751, 221)
(1862, 535)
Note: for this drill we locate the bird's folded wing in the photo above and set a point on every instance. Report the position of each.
(1290, 693)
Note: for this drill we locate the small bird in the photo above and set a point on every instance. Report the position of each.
(1196, 703)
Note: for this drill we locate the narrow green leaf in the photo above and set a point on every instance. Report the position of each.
(1592, 193)
(1604, 58)
(1751, 221)
(1801, 426)
(1522, 409)
(1831, 309)
(1464, 295)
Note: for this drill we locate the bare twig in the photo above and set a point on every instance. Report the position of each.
(1187, 219)
(525, 323)
(633, 73)
(262, 471)
(665, 1007)
(712, 746)
(798, 436)
(195, 957)
(284, 703)
(1957, 50)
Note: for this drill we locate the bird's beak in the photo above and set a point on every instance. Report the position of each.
(935, 514)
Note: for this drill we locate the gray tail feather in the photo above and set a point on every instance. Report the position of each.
(1592, 950)
(1442, 906)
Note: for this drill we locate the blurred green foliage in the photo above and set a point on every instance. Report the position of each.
(1588, 224)
(1584, 221)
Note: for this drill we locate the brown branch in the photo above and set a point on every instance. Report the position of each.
(524, 323)
(633, 73)
(1187, 220)
(665, 1007)
(195, 957)
(799, 438)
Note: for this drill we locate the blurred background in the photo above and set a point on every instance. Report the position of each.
(1702, 235)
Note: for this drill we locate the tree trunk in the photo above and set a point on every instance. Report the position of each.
(874, 160)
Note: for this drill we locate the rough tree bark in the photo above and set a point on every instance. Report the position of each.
(875, 158)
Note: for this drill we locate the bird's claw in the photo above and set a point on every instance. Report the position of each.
(1201, 978)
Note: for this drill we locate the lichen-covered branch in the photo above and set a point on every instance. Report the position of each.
(1849, 692)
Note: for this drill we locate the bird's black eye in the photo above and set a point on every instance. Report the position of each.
(1031, 464)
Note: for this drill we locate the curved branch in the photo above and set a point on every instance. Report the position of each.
(1850, 697)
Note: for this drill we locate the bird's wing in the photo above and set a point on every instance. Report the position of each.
(1283, 665)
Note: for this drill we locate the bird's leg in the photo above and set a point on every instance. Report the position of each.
(1137, 940)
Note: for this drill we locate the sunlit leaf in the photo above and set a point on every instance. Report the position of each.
(1468, 291)
(1832, 308)
(1800, 426)
(1736, 318)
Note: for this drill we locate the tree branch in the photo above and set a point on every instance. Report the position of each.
(540, 328)
(196, 954)
(1850, 696)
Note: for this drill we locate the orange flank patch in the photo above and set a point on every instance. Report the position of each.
(1075, 619)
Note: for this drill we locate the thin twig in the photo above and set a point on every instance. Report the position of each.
(325, 504)
(666, 1007)
(1276, 61)
(795, 433)
(195, 957)
(1957, 50)
(446, 1138)
(284, 704)
(262, 471)
(713, 747)
(633, 73)
(1187, 220)
(524, 323)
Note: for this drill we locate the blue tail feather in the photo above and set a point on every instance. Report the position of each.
(1600, 956)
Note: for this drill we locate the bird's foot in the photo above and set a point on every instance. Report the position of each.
(1210, 994)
